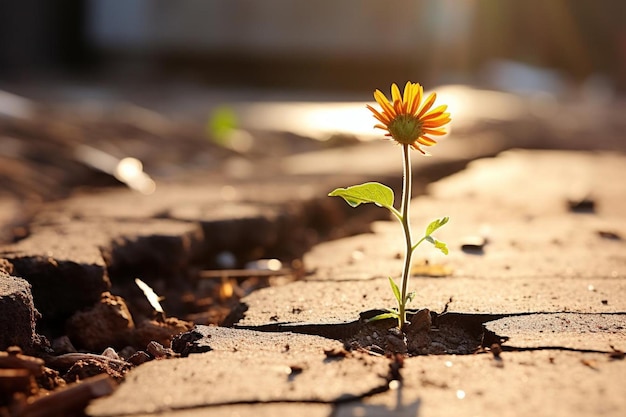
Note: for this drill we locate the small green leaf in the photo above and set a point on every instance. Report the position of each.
(436, 224)
(395, 289)
(383, 316)
(410, 296)
(369, 192)
(441, 246)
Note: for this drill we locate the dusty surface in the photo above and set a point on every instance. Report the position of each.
(520, 384)
(547, 282)
(269, 368)
(526, 316)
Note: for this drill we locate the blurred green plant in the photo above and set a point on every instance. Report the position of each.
(221, 124)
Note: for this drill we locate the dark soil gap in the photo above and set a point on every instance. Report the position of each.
(177, 275)
(430, 333)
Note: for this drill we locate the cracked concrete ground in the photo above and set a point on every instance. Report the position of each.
(550, 279)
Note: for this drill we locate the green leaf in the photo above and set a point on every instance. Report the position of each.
(436, 224)
(383, 316)
(369, 192)
(441, 246)
(395, 289)
(410, 296)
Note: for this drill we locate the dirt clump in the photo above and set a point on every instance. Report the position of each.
(423, 335)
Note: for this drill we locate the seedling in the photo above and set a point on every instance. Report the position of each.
(410, 123)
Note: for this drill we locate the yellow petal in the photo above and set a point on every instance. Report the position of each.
(395, 93)
(408, 88)
(417, 98)
(440, 121)
(436, 132)
(381, 117)
(397, 105)
(427, 105)
(435, 112)
(381, 99)
(426, 141)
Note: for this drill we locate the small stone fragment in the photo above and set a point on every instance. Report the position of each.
(160, 331)
(108, 323)
(419, 321)
(187, 343)
(581, 204)
(607, 234)
(473, 244)
(110, 353)
(158, 351)
(496, 350)
(377, 350)
(336, 353)
(396, 341)
(139, 358)
(17, 313)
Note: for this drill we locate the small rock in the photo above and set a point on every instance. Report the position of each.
(376, 349)
(108, 323)
(160, 331)
(110, 353)
(335, 353)
(581, 204)
(473, 244)
(158, 351)
(139, 357)
(418, 322)
(396, 342)
(17, 314)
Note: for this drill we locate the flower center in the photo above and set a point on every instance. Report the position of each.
(405, 128)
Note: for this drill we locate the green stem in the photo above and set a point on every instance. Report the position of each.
(406, 198)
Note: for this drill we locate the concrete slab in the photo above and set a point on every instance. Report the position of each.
(536, 216)
(531, 233)
(260, 410)
(339, 302)
(542, 255)
(263, 367)
(540, 383)
(238, 340)
(68, 263)
(563, 331)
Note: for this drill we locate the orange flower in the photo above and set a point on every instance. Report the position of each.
(407, 120)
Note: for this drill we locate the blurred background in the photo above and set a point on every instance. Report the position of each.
(327, 45)
(95, 92)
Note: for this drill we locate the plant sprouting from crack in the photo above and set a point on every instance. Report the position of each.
(411, 123)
